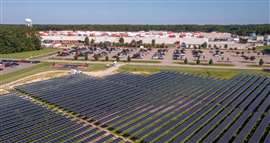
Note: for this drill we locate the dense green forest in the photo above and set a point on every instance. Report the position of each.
(260, 29)
(18, 39)
(235, 29)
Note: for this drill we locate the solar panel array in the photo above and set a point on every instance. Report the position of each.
(23, 121)
(167, 106)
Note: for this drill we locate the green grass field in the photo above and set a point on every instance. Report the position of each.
(9, 77)
(29, 54)
(91, 67)
(211, 72)
(97, 67)
(260, 48)
(264, 66)
(204, 63)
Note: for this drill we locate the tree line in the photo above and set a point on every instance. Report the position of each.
(18, 39)
(243, 30)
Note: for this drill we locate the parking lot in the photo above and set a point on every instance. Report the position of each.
(109, 53)
(7, 66)
(166, 55)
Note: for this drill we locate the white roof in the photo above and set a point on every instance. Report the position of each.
(66, 38)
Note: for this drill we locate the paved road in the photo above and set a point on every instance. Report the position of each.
(168, 57)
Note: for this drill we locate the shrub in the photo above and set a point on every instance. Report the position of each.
(261, 62)
(186, 61)
(128, 59)
(198, 61)
(210, 62)
(117, 59)
(106, 58)
(86, 57)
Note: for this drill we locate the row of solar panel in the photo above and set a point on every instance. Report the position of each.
(22, 121)
(166, 107)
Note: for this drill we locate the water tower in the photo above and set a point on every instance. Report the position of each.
(28, 22)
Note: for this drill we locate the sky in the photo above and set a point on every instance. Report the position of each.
(135, 11)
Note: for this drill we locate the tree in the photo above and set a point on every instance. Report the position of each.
(128, 59)
(86, 56)
(86, 41)
(225, 46)
(117, 58)
(210, 62)
(121, 40)
(139, 43)
(261, 62)
(163, 45)
(96, 57)
(204, 45)
(133, 43)
(76, 57)
(153, 43)
(107, 58)
(92, 42)
(198, 61)
(243, 30)
(18, 39)
(252, 58)
(186, 61)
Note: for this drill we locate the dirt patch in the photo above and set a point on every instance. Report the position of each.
(141, 73)
(107, 72)
(3, 91)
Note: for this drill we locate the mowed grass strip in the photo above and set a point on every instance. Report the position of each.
(91, 67)
(204, 63)
(260, 48)
(208, 72)
(96, 67)
(29, 54)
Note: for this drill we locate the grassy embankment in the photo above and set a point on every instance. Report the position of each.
(9, 77)
(42, 67)
(218, 73)
(30, 54)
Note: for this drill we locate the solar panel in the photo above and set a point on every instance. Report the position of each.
(163, 107)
